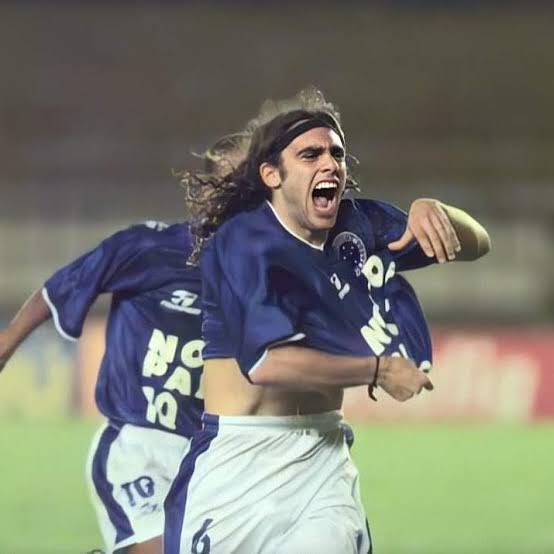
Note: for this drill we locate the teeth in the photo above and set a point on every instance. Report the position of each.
(326, 185)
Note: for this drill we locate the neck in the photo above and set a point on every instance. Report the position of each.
(315, 238)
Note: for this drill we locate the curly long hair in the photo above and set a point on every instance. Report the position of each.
(230, 182)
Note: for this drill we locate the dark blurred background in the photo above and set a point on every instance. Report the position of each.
(100, 100)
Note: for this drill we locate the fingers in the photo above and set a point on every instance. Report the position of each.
(403, 241)
(434, 231)
(403, 379)
(444, 236)
(404, 393)
(446, 231)
(409, 392)
(447, 224)
(424, 243)
(430, 241)
(427, 385)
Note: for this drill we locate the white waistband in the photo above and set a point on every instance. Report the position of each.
(323, 422)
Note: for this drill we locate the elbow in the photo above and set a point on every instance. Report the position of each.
(473, 237)
(274, 368)
(264, 374)
(257, 377)
(476, 246)
(482, 246)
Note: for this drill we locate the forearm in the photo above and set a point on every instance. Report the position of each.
(302, 368)
(31, 314)
(473, 237)
(299, 368)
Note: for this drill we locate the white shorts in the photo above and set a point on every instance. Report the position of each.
(260, 485)
(130, 471)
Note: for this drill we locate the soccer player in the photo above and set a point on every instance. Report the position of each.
(287, 328)
(149, 383)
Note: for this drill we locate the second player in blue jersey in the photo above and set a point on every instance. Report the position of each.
(151, 371)
(149, 382)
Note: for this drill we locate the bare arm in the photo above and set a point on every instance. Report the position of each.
(33, 312)
(302, 368)
(444, 232)
(474, 239)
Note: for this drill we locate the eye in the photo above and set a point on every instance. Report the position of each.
(338, 154)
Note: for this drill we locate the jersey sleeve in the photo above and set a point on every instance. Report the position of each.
(388, 224)
(115, 265)
(248, 304)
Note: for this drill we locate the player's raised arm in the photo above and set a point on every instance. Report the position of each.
(473, 237)
(443, 232)
(298, 367)
(31, 314)
(69, 293)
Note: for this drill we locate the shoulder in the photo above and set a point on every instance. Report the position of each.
(247, 234)
(248, 244)
(369, 207)
(378, 215)
(148, 235)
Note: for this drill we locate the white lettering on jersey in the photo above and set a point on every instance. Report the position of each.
(180, 381)
(191, 353)
(425, 365)
(161, 352)
(374, 272)
(191, 357)
(343, 291)
(182, 301)
(377, 332)
(200, 392)
(161, 407)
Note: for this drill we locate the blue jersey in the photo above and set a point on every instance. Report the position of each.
(264, 286)
(151, 371)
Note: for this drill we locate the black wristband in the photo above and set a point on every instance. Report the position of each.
(371, 387)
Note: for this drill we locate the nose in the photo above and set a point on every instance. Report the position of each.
(330, 164)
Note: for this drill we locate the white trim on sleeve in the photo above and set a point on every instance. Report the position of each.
(56, 316)
(293, 338)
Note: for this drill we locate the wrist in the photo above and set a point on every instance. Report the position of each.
(5, 355)
(374, 379)
(384, 366)
(8, 343)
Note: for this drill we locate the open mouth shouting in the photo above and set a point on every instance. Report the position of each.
(325, 197)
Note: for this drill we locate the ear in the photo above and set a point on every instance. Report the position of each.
(270, 175)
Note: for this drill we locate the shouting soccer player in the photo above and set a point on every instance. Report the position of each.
(286, 326)
(149, 383)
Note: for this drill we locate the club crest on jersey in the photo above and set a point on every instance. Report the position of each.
(350, 248)
(182, 301)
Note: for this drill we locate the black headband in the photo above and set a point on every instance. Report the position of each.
(313, 122)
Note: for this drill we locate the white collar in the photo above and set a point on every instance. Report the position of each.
(315, 247)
